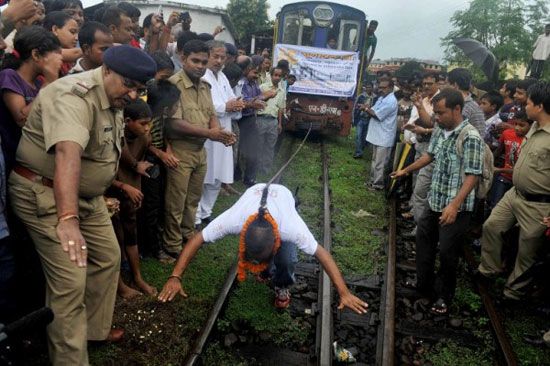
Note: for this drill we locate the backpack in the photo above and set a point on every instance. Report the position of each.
(486, 180)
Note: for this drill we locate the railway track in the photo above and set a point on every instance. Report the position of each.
(386, 334)
(400, 333)
(321, 308)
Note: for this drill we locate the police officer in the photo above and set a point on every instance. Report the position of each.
(194, 121)
(527, 203)
(67, 157)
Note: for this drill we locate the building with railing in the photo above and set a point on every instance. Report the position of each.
(393, 64)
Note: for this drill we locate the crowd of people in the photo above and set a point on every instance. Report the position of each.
(117, 139)
(479, 167)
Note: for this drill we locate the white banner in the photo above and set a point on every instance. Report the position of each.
(320, 71)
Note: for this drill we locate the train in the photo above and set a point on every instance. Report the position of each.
(324, 45)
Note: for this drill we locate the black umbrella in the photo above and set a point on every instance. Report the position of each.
(480, 56)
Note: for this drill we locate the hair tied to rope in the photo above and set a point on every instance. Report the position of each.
(16, 54)
(262, 215)
(244, 265)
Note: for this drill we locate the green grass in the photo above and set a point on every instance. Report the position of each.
(520, 325)
(355, 248)
(162, 334)
(449, 353)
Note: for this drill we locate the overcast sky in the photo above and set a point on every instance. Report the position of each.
(407, 28)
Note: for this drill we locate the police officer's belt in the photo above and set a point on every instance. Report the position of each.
(541, 198)
(32, 176)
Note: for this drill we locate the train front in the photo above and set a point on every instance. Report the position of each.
(323, 43)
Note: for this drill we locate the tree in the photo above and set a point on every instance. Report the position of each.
(248, 16)
(506, 27)
(409, 69)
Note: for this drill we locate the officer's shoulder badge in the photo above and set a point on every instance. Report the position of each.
(81, 88)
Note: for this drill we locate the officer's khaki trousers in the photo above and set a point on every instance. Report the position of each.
(82, 299)
(511, 209)
(183, 193)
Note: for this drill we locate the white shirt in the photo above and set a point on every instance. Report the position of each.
(218, 156)
(280, 205)
(383, 128)
(542, 47)
(428, 107)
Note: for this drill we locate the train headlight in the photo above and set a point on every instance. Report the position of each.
(323, 15)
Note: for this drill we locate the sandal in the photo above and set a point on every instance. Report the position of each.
(439, 307)
(407, 215)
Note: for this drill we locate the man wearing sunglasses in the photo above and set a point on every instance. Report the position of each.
(67, 157)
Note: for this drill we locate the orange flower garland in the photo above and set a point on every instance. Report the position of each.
(244, 265)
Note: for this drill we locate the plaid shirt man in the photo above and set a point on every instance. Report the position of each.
(447, 178)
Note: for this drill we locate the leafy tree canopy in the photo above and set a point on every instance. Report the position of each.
(506, 27)
(248, 16)
(408, 69)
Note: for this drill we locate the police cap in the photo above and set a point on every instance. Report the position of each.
(130, 62)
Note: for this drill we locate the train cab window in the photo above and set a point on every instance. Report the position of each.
(349, 35)
(298, 29)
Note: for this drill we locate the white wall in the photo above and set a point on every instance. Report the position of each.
(203, 22)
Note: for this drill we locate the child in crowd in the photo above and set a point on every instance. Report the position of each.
(127, 189)
(507, 92)
(520, 100)
(490, 104)
(65, 28)
(34, 63)
(509, 146)
(162, 97)
(165, 65)
(270, 119)
(290, 80)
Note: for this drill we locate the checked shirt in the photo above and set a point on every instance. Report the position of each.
(447, 178)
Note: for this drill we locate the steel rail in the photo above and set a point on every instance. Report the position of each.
(196, 351)
(387, 308)
(507, 352)
(324, 317)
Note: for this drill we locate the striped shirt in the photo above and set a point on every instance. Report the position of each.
(473, 113)
(157, 133)
(447, 177)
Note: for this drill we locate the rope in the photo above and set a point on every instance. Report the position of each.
(263, 200)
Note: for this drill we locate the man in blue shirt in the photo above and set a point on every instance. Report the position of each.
(381, 134)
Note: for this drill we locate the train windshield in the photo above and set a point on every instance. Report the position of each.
(349, 35)
(298, 29)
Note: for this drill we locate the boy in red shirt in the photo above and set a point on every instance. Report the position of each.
(509, 146)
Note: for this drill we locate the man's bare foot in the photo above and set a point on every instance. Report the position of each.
(146, 288)
(126, 292)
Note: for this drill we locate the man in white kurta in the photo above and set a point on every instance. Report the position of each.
(219, 157)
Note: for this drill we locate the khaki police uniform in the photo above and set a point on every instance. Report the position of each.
(184, 183)
(74, 108)
(526, 204)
